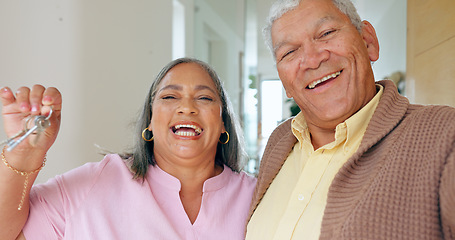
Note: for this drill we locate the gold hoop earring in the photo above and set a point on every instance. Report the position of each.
(143, 135)
(227, 140)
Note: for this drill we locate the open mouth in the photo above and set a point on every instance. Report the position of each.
(186, 130)
(313, 84)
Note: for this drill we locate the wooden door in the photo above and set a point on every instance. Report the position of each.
(431, 52)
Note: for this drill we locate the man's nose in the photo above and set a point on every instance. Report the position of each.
(312, 56)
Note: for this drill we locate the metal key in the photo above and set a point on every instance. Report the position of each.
(10, 140)
(41, 122)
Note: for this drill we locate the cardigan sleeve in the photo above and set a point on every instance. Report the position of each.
(447, 195)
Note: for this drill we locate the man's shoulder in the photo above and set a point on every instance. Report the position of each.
(285, 125)
(433, 112)
(281, 140)
(433, 120)
(282, 131)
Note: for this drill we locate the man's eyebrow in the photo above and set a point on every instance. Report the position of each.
(324, 20)
(279, 45)
(318, 23)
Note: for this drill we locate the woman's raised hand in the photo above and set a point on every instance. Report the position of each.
(17, 108)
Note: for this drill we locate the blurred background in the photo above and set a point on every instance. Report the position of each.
(103, 55)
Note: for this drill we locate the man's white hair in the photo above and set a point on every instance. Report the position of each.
(280, 7)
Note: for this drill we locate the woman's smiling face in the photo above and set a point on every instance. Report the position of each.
(187, 115)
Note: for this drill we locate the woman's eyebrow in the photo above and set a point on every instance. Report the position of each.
(179, 88)
(205, 87)
(170, 87)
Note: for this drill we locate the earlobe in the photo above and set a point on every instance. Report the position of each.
(288, 94)
(371, 40)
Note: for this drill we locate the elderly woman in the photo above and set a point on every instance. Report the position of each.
(182, 180)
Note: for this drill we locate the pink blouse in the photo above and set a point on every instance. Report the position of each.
(102, 201)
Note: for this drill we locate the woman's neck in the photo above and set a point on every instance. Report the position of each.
(192, 179)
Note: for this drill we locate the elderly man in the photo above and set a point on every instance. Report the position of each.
(359, 161)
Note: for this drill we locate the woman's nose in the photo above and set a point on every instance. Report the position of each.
(187, 106)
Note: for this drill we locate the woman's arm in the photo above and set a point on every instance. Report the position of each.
(20, 166)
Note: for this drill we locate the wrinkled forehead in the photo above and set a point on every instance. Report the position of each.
(281, 7)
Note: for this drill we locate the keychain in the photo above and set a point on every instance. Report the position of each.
(40, 123)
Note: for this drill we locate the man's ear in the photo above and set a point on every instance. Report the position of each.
(288, 94)
(371, 40)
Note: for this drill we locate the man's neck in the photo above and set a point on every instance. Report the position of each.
(321, 137)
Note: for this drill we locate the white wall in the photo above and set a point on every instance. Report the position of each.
(217, 43)
(389, 20)
(102, 55)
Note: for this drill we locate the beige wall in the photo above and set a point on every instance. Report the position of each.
(431, 52)
(102, 55)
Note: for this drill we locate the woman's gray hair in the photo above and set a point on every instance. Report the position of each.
(231, 154)
(280, 7)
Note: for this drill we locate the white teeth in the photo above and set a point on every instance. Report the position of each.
(186, 134)
(196, 129)
(313, 84)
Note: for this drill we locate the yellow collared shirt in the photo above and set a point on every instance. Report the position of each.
(294, 204)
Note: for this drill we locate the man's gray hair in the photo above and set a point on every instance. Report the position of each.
(280, 7)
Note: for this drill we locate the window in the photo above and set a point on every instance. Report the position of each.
(178, 30)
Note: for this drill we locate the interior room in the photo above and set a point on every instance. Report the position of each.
(103, 55)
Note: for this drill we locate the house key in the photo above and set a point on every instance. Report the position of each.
(40, 123)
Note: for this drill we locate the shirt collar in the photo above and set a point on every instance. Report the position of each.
(358, 123)
(159, 176)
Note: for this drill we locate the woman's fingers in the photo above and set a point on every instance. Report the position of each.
(27, 102)
(22, 99)
(6, 96)
(35, 99)
(31, 101)
(51, 97)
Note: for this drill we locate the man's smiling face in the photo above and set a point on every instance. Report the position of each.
(324, 62)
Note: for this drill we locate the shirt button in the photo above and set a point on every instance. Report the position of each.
(301, 197)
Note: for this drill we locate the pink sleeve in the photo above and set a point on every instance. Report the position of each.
(53, 202)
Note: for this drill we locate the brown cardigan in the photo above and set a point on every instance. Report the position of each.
(400, 184)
